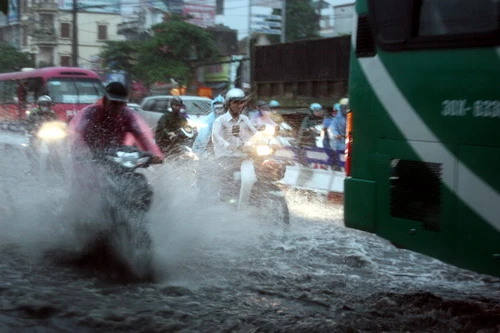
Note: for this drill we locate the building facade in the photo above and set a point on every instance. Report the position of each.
(44, 28)
(344, 15)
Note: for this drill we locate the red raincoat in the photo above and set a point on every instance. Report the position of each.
(94, 128)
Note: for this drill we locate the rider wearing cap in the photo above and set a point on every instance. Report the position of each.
(107, 123)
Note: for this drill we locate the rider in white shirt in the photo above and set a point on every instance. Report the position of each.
(232, 129)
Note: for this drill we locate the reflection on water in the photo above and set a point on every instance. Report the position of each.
(223, 271)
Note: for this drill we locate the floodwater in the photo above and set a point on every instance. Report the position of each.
(219, 271)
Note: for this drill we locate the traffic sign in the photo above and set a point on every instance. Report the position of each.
(270, 24)
(267, 31)
(267, 17)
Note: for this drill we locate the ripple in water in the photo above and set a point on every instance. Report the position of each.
(222, 271)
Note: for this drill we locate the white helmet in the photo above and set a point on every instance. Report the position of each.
(45, 99)
(235, 94)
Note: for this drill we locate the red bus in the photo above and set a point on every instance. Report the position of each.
(70, 88)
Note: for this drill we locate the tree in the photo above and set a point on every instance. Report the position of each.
(120, 55)
(4, 7)
(13, 60)
(170, 53)
(301, 21)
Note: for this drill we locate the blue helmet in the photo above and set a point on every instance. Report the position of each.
(336, 106)
(217, 100)
(274, 104)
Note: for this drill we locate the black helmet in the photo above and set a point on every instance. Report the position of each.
(176, 101)
(115, 91)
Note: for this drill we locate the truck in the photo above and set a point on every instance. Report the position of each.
(297, 74)
(303, 72)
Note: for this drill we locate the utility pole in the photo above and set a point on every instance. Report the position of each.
(74, 42)
(283, 21)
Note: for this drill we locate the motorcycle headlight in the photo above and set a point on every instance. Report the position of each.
(52, 132)
(269, 130)
(263, 150)
(129, 160)
(196, 123)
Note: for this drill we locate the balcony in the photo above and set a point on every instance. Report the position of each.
(45, 36)
(128, 27)
(44, 7)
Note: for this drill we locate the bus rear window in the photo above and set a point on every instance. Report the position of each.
(75, 91)
(438, 17)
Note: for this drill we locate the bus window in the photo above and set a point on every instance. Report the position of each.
(69, 91)
(439, 17)
(34, 89)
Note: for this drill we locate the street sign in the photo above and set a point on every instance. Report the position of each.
(266, 24)
(267, 31)
(267, 17)
(267, 3)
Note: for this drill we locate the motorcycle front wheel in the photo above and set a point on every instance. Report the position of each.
(272, 207)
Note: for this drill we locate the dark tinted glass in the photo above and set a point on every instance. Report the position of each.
(452, 17)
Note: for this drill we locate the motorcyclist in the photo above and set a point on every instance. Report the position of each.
(40, 114)
(326, 133)
(109, 121)
(168, 124)
(263, 116)
(202, 141)
(338, 131)
(307, 133)
(275, 107)
(232, 129)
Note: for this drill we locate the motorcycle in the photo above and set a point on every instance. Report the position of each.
(182, 142)
(255, 183)
(48, 148)
(120, 244)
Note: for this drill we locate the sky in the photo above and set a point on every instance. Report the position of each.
(236, 14)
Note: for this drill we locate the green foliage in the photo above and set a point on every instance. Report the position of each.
(12, 59)
(4, 7)
(120, 55)
(169, 53)
(301, 20)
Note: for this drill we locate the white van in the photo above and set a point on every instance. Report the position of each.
(153, 107)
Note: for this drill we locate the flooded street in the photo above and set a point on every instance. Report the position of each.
(219, 271)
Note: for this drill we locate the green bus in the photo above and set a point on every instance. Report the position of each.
(423, 133)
